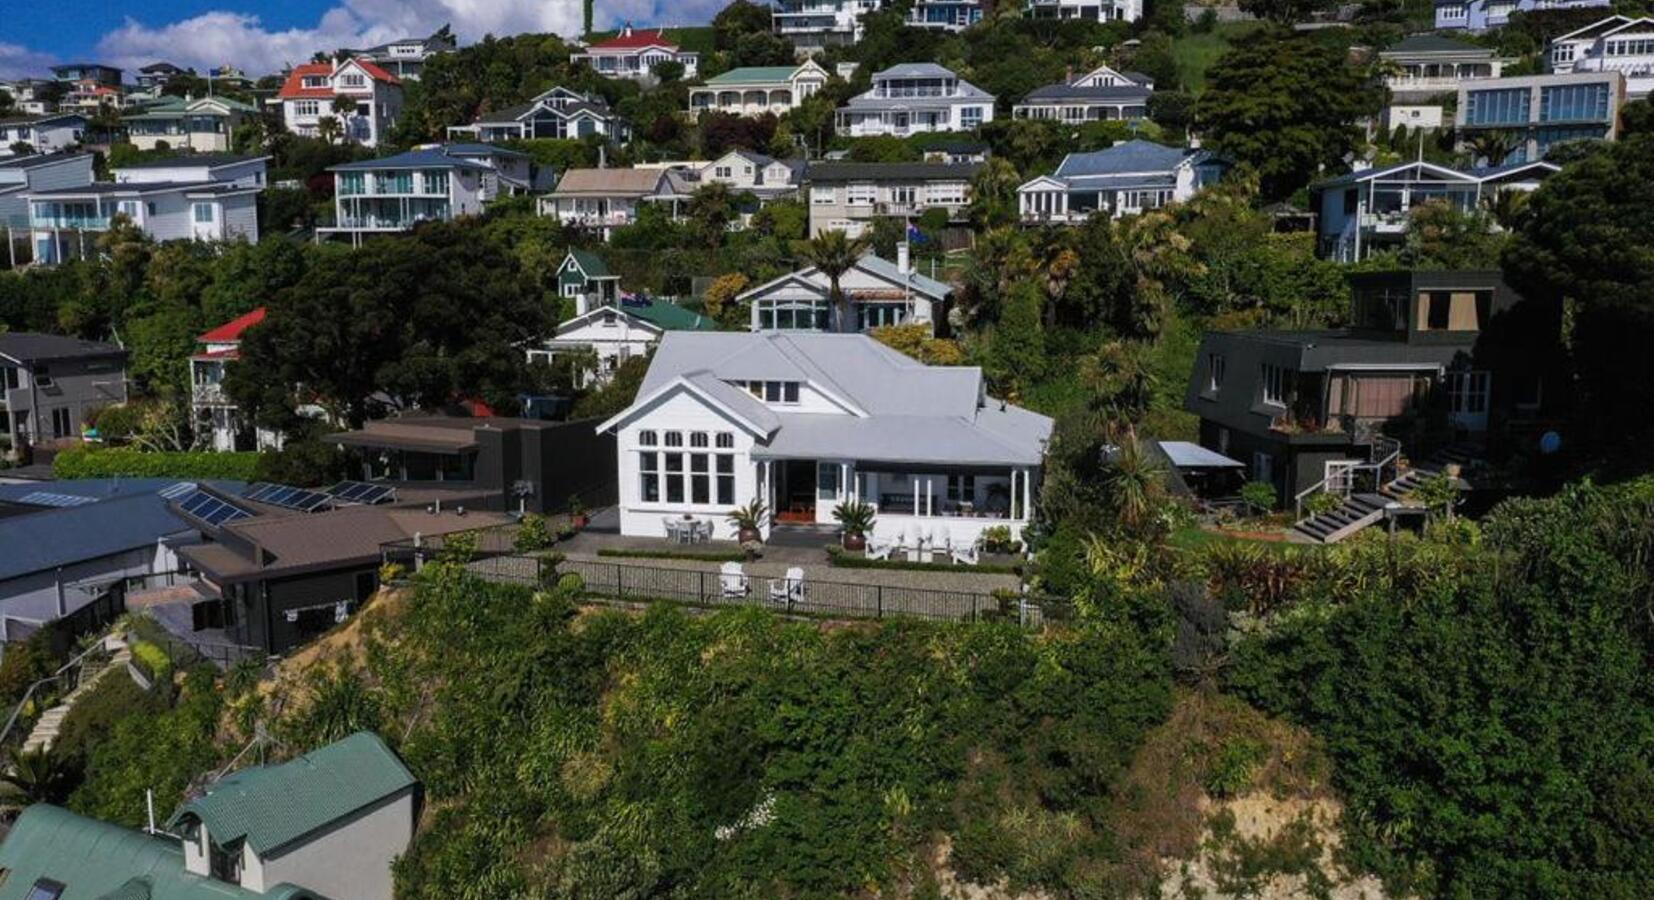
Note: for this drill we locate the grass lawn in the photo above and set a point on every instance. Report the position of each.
(1195, 53)
(1194, 539)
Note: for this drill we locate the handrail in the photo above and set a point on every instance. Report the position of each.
(1392, 452)
(28, 694)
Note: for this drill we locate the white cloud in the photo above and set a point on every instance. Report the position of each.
(17, 61)
(242, 40)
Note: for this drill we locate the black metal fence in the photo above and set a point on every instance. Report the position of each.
(632, 582)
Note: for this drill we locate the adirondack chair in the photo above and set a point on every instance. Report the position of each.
(789, 589)
(965, 554)
(877, 549)
(732, 581)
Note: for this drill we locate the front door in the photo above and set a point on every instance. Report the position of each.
(795, 491)
(1467, 394)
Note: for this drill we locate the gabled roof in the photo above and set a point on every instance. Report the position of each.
(274, 806)
(293, 88)
(590, 264)
(192, 161)
(756, 75)
(96, 860)
(1441, 173)
(373, 70)
(1126, 92)
(232, 330)
(870, 264)
(630, 38)
(669, 316)
(422, 158)
(1601, 28)
(610, 182)
(1128, 158)
(914, 70)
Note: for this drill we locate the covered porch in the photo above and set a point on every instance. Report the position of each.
(941, 503)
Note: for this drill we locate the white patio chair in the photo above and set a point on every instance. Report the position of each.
(877, 549)
(732, 581)
(963, 554)
(672, 527)
(789, 589)
(927, 546)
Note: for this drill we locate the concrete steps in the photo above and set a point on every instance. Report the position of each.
(46, 730)
(1356, 513)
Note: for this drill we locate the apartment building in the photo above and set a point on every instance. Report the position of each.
(1537, 112)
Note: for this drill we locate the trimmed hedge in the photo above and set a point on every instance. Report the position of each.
(109, 462)
(839, 558)
(689, 555)
(153, 660)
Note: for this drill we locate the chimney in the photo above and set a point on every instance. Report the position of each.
(626, 31)
(903, 262)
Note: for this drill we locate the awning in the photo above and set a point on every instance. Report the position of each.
(1186, 455)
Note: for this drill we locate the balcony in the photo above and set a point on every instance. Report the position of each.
(210, 395)
(70, 223)
(598, 220)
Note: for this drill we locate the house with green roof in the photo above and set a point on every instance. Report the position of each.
(323, 826)
(755, 90)
(615, 333)
(179, 123)
(586, 279)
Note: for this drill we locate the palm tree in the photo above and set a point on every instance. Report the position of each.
(328, 129)
(994, 194)
(40, 776)
(1490, 147)
(1133, 482)
(834, 253)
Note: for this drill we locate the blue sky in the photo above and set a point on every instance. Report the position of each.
(260, 36)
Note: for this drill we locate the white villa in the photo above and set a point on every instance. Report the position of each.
(1617, 43)
(755, 90)
(312, 90)
(877, 292)
(204, 125)
(1087, 10)
(1423, 67)
(216, 416)
(1099, 95)
(557, 113)
(203, 196)
(803, 422)
(635, 53)
(916, 98)
(437, 182)
(44, 134)
(606, 325)
(605, 199)
(1127, 178)
(764, 177)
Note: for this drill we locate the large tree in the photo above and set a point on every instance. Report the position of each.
(1585, 239)
(1287, 107)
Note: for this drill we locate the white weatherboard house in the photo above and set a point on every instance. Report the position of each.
(803, 422)
(1099, 95)
(916, 98)
(756, 90)
(363, 100)
(1617, 43)
(1127, 178)
(877, 292)
(436, 182)
(558, 113)
(202, 196)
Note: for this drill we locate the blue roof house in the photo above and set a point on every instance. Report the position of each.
(1127, 178)
(437, 182)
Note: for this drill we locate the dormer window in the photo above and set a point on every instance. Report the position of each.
(45, 889)
(1274, 384)
(315, 81)
(785, 392)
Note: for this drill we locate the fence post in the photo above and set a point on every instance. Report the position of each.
(973, 608)
(880, 594)
(700, 581)
(620, 582)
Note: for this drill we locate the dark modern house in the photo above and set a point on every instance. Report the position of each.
(506, 464)
(48, 384)
(1431, 362)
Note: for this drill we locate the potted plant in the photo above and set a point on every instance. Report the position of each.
(748, 521)
(856, 518)
(577, 512)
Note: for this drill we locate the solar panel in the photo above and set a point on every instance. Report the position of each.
(211, 510)
(49, 498)
(363, 492)
(288, 497)
(174, 491)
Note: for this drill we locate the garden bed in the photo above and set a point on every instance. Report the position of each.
(687, 555)
(838, 557)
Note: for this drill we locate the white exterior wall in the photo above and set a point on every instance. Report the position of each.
(351, 860)
(33, 597)
(871, 124)
(238, 217)
(680, 411)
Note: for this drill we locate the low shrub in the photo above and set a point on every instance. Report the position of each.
(572, 584)
(1259, 495)
(99, 710)
(1322, 502)
(839, 558)
(111, 462)
(532, 534)
(152, 661)
(688, 555)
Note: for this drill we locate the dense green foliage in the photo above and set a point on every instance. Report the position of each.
(739, 755)
(116, 461)
(1489, 706)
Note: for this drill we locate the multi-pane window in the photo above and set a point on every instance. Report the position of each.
(774, 391)
(1574, 103)
(203, 213)
(436, 181)
(306, 108)
(352, 183)
(860, 194)
(1504, 106)
(970, 117)
(878, 315)
(962, 488)
(792, 315)
(823, 195)
(1274, 384)
(352, 80)
(1214, 368)
(699, 477)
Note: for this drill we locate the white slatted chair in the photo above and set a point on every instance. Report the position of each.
(927, 546)
(732, 581)
(964, 554)
(789, 589)
(877, 549)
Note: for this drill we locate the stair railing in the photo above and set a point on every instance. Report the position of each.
(1382, 454)
(71, 679)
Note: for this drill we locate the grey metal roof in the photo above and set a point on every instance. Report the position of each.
(29, 346)
(479, 149)
(64, 535)
(33, 160)
(1186, 455)
(1120, 92)
(914, 70)
(426, 158)
(133, 188)
(887, 270)
(869, 100)
(855, 171)
(1432, 44)
(1130, 157)
(899, 409)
